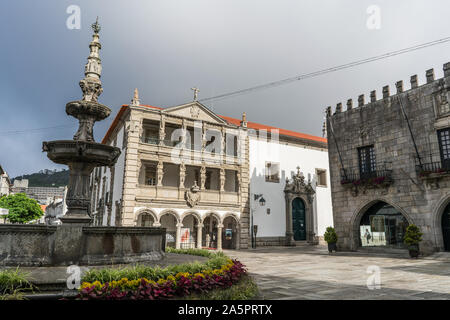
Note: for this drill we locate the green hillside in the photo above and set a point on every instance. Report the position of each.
(46, 178)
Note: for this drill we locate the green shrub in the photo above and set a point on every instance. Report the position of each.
(14, 281)
(193, 252)
(330, 235)
(412, 235)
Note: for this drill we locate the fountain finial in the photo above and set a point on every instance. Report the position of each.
(96, 26)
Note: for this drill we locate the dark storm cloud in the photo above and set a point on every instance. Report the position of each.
(166, 47)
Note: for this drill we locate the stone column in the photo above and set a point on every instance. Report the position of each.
(160, 173)
(219, 236)
(222, 179)
(178, 236)
(199, 235)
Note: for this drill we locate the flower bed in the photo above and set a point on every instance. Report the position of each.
(180, 284)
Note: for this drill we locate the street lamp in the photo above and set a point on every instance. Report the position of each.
(254, 228)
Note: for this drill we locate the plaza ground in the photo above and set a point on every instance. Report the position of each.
(307, 272)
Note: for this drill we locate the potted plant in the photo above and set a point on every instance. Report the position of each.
(412, 238)
(331, 237)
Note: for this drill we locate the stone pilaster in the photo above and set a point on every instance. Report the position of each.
(222, 179)
(131, 172)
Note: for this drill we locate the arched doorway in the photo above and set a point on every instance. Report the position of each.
(382, 225)
(209, 234)
(189, 232)
(446, 228)
(299, 219)
(169, 221)
(146, 220)
(230, 233)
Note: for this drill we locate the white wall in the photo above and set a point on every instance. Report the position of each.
(289, 157)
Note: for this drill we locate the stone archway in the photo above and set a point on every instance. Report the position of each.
(297, 188)
(191, 232)
(212, 227)
(170, 221)
(231, 232)
(379, 223)
(146, 218)
(438, 223)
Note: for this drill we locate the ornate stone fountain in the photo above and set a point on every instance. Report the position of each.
(75, 242)
(83, 154)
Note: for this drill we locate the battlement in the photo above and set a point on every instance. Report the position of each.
(430, 78)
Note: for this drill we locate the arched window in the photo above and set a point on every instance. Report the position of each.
(382, 225)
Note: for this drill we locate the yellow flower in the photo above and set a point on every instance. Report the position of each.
(199, 275)
(171, 278)
(86, 285)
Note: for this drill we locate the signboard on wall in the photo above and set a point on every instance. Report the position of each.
(185, 235)
(228, 234)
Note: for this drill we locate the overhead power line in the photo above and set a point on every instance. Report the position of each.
(327, 70)
(33, 130)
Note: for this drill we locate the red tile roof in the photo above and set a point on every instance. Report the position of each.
(251, 125)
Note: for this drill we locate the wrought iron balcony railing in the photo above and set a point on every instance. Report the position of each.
(435, 167)
(379, 175)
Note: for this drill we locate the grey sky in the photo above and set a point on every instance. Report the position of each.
(165, 47)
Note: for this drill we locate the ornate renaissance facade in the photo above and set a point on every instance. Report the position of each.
(188, 170)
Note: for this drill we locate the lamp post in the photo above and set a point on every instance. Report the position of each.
(254, 228)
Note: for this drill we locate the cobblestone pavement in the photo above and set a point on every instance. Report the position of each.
(313, 273)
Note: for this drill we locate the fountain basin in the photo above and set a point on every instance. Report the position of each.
(41, 245)
(72, 151)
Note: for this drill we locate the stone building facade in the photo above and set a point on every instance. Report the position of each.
(190, 171)
(183, 168)
(389, 166)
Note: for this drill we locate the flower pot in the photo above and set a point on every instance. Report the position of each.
(413, 250)
(332, 246)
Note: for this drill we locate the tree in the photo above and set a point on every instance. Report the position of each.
(21, 208)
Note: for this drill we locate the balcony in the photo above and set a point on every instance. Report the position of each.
(433, 170)
(164, 193)
(379, 177)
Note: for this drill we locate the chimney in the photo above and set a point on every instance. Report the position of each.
(385, 92)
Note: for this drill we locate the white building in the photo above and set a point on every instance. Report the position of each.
(5, 183)
(198, 174)
(297, 157)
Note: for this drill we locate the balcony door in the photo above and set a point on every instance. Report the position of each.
(367, 167)
(444, 147)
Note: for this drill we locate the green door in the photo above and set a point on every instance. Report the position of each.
(298, 219)
(446, 227)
